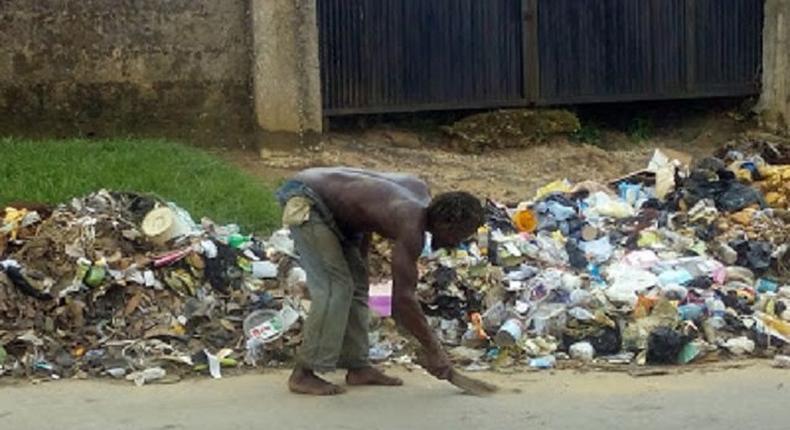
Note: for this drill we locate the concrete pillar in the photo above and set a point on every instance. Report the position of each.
(286, 67)
(774, 104)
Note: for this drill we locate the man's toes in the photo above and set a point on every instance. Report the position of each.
(372, 377)
(389, 380)
(332, 389)
(395, 381)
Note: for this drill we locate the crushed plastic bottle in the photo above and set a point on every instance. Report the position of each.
(545, 362)
(146, 376)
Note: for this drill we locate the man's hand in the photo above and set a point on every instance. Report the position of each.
(436, 363)
(408, 312)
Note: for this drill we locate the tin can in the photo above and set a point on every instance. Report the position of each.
(510, 332)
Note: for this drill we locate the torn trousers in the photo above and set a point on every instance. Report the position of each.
(335, 334)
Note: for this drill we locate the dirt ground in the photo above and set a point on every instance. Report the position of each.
(507, 175)
(733, 399)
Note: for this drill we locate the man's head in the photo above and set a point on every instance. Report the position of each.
(453, 217)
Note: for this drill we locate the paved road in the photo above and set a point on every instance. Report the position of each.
(757, 397)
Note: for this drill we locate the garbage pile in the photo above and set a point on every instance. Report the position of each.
(128, 285)
(673, 264)
(669, 265)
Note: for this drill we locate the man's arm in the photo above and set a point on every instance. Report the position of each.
(407, 310)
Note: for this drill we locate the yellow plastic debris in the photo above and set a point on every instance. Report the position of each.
(561, 186)
(12, 220)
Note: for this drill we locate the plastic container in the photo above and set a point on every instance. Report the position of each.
(510, 332)
(583, 351)
(268, 325)
(380, 298)
(163, 224)
(546, 362)
(238, 241)
(525, 221)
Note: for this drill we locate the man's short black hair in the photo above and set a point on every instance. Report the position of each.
(457, 208)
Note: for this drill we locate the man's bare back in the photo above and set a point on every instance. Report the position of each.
(364, 202)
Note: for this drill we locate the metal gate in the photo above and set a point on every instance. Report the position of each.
(410, 55)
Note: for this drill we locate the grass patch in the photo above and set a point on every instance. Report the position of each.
(588, 133)
(53, 171)
(640, 129)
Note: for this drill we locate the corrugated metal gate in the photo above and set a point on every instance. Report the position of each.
(409, 55)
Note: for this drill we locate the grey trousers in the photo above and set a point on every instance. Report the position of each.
(336, 331)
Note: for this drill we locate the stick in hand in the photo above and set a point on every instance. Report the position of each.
(471, 385)
(468, 384)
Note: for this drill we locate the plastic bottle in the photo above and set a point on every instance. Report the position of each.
(482, 240)
(546, 362)
(525, 221)
(96, 273)
(238, 241)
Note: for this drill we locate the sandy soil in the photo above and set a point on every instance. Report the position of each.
(508, 175)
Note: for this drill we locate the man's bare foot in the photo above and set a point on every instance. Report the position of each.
(304, 381)
(370, 376)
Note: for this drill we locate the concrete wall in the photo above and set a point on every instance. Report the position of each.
(774, 105)
(286, 67)
(105, 67)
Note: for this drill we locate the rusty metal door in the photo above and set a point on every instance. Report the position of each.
(411, 55)
(621, 50)
(403, 55)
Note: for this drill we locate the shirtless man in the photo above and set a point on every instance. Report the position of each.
(331, 213)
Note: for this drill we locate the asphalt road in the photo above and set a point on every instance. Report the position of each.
(756, 397)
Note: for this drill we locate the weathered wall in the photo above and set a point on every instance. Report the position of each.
(774, 105)
(115, 66)
(286, 68)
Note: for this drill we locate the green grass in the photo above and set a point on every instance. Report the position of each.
(640, 129)
(589, 133)
(53, 171)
